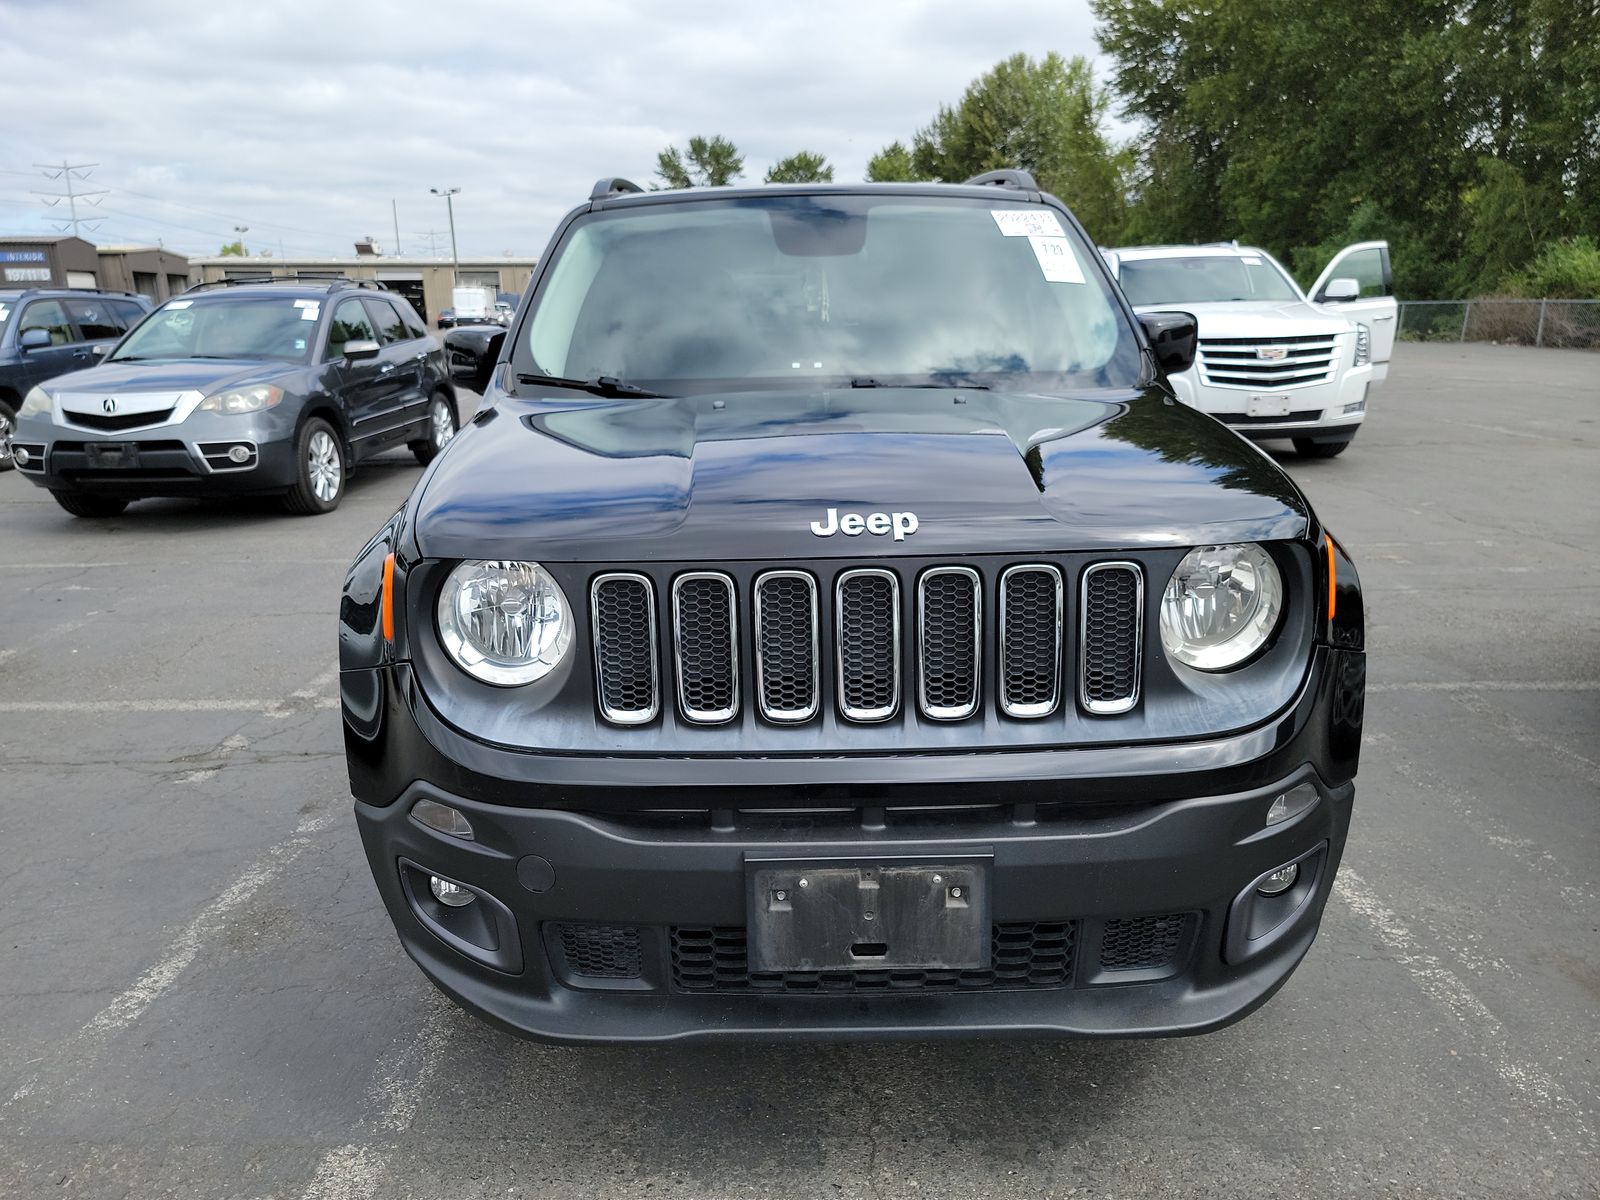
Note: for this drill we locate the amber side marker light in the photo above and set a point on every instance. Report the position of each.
(388, 595)
(1327, 542)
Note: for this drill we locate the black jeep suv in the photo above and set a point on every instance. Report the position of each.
(256, 387)
(833, 626)
(50, 331)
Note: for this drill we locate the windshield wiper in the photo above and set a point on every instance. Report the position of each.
(604, 385)
(867, 381)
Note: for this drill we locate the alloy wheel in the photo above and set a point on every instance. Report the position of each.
(444, 423)
(325, 469)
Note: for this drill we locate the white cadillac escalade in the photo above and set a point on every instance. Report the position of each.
(1273, 362)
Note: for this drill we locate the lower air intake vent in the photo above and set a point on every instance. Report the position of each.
(1024, 954)
(623, 611)
(1112, 620)
(600, 951)
(1141, 943)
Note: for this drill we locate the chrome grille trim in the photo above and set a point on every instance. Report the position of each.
(625, 716)
(706, 716)
(1041, 709)
(1109, 707)
(955, 712)
(1237, 362)
(787, 716)
(841, 635)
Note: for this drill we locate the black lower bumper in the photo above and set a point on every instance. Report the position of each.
(164, 467)
(589, 928)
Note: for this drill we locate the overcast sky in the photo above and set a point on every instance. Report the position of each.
(303, 120)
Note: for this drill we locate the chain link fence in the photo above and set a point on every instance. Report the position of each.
(1563, 324)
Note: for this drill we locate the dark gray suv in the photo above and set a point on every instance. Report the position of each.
(250, 388)
(46, 332)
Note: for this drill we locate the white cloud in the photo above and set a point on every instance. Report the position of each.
(303, 120)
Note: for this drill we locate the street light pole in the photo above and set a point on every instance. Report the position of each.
(450, 208)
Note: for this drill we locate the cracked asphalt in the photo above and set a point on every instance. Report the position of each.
(201, 996)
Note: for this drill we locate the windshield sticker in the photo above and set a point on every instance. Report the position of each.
(1027, 222)
(179, 303)
(309, 309)
(299, 343)
(307, 303)
(1056, 259)
(1252, 262)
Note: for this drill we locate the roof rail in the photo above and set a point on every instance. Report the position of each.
(613, 185)
(1011, 177)
(335, 282)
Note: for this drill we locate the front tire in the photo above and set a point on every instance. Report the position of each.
(1308, 448)
(8, 429)
(442, 426)
(79, 504)
(320, 470)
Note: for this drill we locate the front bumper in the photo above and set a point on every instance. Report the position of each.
(612, 907)
(1327, 411)
(186, 459)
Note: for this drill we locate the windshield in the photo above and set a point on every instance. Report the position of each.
(1204, 279)
(749, 293)
(244, 327)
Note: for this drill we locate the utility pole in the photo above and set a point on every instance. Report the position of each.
(394, 211)
(432, 236)
(68, 173)
(241, 230)
(455, 258)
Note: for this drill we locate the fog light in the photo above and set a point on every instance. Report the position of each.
(443, 818)
(453, 895)
(239, 454)
(1358, 406)
(1276, 884)
(22, 456)
(1291, 803)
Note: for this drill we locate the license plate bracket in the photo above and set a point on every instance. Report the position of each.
(110, 455)
(831, 915)
(1267, 406)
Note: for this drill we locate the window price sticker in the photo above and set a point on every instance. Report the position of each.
(1027, 222)
(1056, 259)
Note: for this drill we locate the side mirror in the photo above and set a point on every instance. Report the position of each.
(101, 349)
(361, 349)
(1174, 336)
(1342, 289)
(33, 339)
(472, 351)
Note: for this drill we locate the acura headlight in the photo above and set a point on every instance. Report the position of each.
(1363, 344)
(242, 400)
(1221, 605)
(506, 623)
(37, 403)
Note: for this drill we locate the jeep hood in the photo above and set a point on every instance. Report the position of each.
(1258, 318)
(722, 477)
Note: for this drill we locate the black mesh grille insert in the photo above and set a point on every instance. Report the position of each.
(1111, 631)
(625, 648)
(869, 645)
(601, 951)
(1023, 955)
(1141, 943)
(949, 627)
(112, 422)
(786, 646)
(1030, 649)
(708, 687)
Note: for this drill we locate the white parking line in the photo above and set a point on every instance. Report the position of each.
(1489, 685)
(1444, 987)
(246, 704)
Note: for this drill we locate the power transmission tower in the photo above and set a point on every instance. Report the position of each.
(70, 173)
(432, 237)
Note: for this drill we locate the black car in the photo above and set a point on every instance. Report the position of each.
(50, 331)
(250, 388)
(833, 626)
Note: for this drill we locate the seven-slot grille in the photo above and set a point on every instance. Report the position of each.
(1264, 363)
(864, 655)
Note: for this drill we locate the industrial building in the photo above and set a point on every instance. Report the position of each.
(61, 260)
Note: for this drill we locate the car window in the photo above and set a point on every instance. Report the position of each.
(802, 291)
(387, 320)
(1366, 268)
(97, 322)
(349, 324)
(49, 316)
(1204, 279)
(219, 325)
(413, 322)
(130, 312)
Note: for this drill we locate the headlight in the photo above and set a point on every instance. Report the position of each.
(506, 623)
(242, 400)
(1363, 344)
(37, 403)
(1221, 605)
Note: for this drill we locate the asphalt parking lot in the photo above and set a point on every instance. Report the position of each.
(200, 994)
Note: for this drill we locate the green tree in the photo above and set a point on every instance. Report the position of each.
(1046, 117)
(892, 164)
(708, 162)
(233, 249)
(801, 167)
